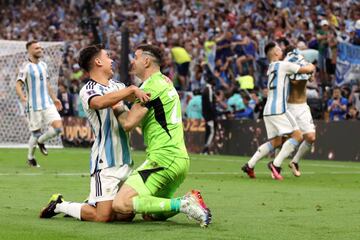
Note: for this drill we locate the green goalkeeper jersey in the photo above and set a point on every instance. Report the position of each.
(162, 125)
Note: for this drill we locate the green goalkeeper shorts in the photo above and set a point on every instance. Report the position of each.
(160, 178)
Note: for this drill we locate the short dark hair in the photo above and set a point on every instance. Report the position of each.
(87, 54)
(288, 49)
(269, 46)
(153, 50)
(29, 43)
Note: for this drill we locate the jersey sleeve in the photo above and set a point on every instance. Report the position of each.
(22, 73)
(86, 95)
(154, 94)
(291, 68)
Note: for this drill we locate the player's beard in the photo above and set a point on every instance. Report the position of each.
(37, 56)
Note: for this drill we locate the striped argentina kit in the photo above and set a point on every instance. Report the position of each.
(111, 145)
(35, 77)
(278, 86)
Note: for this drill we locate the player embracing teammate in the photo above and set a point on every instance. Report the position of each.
(279, 120)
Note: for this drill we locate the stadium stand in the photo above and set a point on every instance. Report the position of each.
(226, 36)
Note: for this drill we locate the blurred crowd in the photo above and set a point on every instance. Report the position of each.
(218, 39)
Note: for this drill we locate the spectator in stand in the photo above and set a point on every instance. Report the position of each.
(356, 34)
(182, 60)
(247, 55)
(337, 106)
(194, 108)
(223, 47)
(77, 74)
(235, 102)
(354, 98)
(353, 114)
(223, 79)
(66, 99)
(195, 25)
(198, 77)
(323, 36)
(221, 105)
(247, 112)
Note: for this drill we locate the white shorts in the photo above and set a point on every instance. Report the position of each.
(303, 117)
(104, 184)
(279, 125)
(37, 119)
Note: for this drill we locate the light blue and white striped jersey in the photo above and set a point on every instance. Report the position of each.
(278, 86)
(35, 77)
(295, 57)
(111, 146)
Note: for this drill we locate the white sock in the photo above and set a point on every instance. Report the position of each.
(288, 147)
(303, 149)
(277, 150)
(32, 146)
(70, 208)
(262, 151)
(50, 133)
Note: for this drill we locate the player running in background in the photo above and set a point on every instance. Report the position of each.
(299, 109)
(41, 103)
(278, 120)
(150, 189)
(110, 161)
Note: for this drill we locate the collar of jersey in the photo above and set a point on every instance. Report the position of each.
(100, 83)
(151, 77)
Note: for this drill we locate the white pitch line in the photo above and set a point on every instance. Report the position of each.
(190, 173)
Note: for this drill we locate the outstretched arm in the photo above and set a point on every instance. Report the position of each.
(110, 99)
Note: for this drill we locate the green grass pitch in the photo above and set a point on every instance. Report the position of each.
(324, 203)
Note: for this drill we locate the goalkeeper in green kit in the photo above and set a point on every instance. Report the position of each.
(150, 188)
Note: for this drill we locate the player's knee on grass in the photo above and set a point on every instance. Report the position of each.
(96, 214)
(123, 200)
(123, 205)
